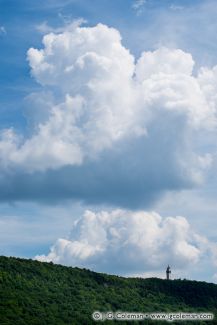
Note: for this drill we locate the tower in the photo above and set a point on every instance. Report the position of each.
(168, 271)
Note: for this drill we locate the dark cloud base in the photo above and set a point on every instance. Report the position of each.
(133, 174)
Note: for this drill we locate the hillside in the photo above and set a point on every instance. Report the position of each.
(38, 293)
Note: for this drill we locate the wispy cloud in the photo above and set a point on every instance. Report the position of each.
(138, 6)
(51, 4)
(69, 24)
(175, 7)
(3, 30)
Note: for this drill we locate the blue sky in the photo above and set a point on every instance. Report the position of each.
(147, 150)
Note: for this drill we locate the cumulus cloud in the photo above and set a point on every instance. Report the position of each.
(104, 119)
(128, 242)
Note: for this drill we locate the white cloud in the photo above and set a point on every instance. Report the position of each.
(167, 81)
(103, 97)
(164, 61)
(88, 65)
(98, 102)
(127, 242)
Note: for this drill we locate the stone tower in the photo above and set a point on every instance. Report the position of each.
(168, 271)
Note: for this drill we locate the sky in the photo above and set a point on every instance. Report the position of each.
(108, 135)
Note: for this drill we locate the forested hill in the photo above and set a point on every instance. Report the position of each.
(38, 293)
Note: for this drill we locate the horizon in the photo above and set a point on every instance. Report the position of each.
(107, 274)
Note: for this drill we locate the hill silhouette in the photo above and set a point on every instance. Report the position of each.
(33, 292)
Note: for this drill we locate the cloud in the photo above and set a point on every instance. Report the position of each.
(176, 8)
(126, 242)
(105, 127)
(138, 6)
(52, 4)
(3, 30)
(69, 25)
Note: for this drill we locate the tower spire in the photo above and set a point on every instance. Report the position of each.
(168, 271)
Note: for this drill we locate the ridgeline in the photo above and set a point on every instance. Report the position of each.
(38, 293)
